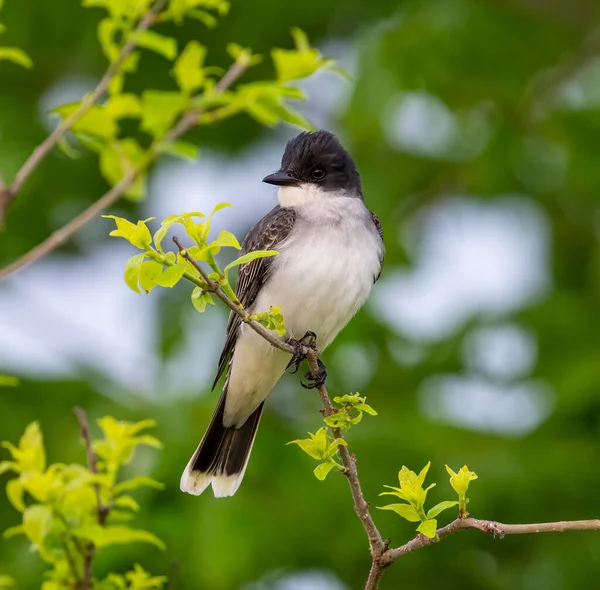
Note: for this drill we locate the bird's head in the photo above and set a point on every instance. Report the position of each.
(315, 166)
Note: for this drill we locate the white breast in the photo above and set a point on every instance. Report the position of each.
(325, 271)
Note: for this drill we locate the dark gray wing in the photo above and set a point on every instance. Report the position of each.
(270, 231)
(379, 227)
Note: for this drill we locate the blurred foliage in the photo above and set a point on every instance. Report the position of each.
(520, 80)
(71, 513)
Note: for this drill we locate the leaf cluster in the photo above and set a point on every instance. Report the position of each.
(155, 267)
(324, 448)
(352, 407)
(70, 513)
(197, 94)
(414, 495)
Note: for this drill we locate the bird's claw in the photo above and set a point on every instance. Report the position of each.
(316, 380)
(309, 340)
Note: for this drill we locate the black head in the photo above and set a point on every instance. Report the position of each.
(317, 157)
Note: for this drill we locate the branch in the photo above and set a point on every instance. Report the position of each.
(59, 237)
(490, 527)
(244, 315)
(103, 509)
(41, 151)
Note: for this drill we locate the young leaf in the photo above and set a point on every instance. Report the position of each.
(165, 46)
(170, 277)
(181, 149)
(226, 239)
(150, 272)
(433, 512)
(249, 257)
(120, 157)
(138, 482)
(118, 534)
(201, 299)
(16, 55)
(188, 67)
(404, 510)
(428, 528)
(96, 121)
(323, 469)
(159, 110)
(121, 106)
(132, 271)
(460, 481)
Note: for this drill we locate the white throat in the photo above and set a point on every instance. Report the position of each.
(293, 196)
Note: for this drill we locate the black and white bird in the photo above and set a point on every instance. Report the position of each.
(330, 254)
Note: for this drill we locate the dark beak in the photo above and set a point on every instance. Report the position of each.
(280, 178)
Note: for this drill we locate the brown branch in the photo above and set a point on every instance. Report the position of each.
(59, 237)
(490, 527)
(42, 150)
(244, 315)
(103, 510)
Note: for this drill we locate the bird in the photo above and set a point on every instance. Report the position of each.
(330, 253)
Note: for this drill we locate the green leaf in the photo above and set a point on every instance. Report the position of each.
(428, 528)
(7, 583)
(299, 63)
(125, 228)
(122, 106)
(8, 381)
(14, 493)
(117, 535)
(149, 275)
(107, 29)
(160, 109)
(141, 580)
(96, 121)
(119, 158)
(460, 481)
(249, 257)
(138, 482)
(227, 239)
(323, 469)
(188, 67)
(13, 531)
(165, 46)
(433, 512)
(127, 502)
(16, 55)
(170, 277)
(37, 522)
(181, 149)
(132, 271)
(366, 408)
(404, 510)
(201, 299)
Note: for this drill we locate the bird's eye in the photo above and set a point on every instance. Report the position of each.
(318, 173)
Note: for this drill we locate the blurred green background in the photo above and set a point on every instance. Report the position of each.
(475, 125)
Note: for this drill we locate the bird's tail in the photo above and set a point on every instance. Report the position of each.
(222, 455)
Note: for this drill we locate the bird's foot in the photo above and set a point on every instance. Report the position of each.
(309, 340)
(316, 380)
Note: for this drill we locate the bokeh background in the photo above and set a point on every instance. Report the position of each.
(475, 125)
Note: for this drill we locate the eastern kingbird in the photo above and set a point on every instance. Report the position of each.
(330, 254)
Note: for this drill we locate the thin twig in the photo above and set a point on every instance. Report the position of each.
(42, 150)
(102, 509)
(244, 315)
(59, 237)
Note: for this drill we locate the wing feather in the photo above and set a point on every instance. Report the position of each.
(267, 234)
